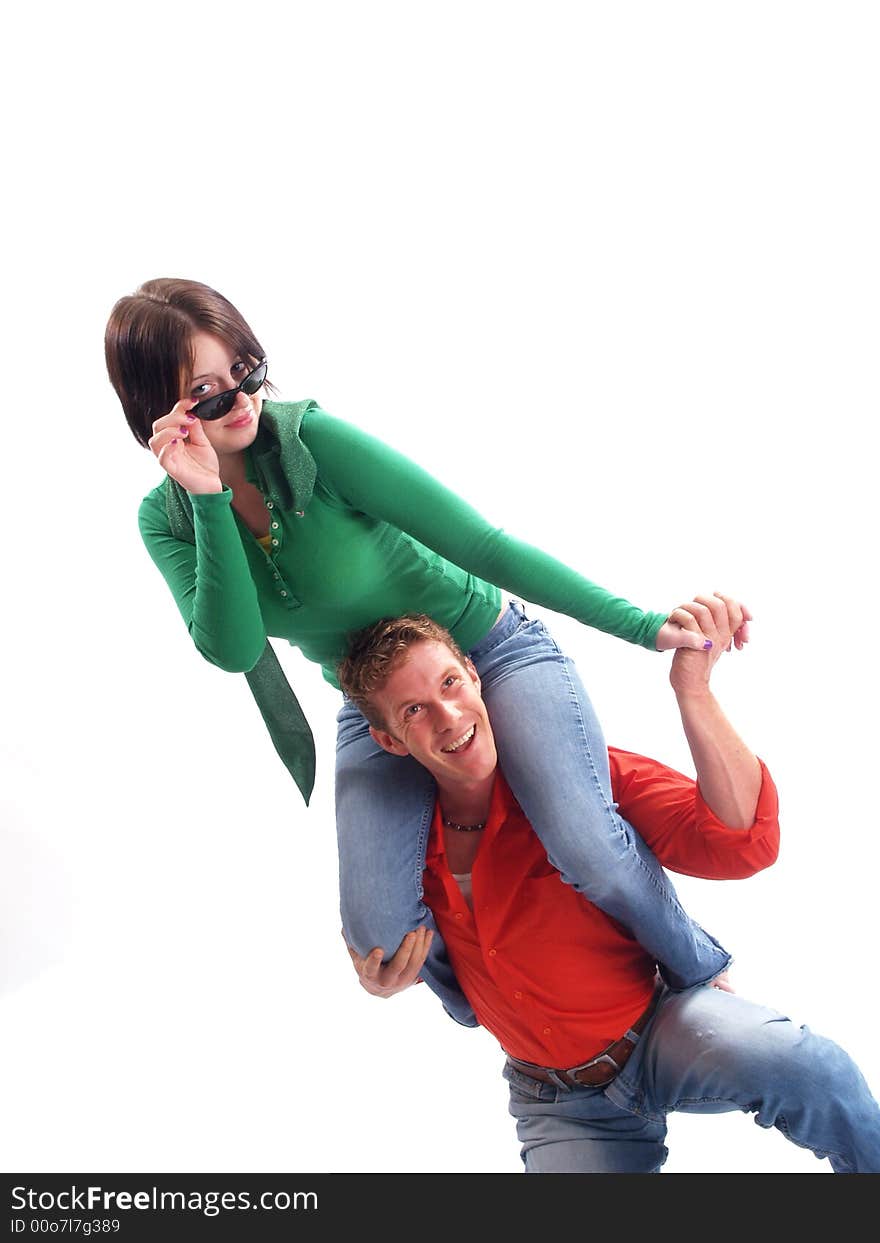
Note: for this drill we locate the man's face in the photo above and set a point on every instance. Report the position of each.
(433, 711)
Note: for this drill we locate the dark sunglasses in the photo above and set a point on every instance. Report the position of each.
(221, 403)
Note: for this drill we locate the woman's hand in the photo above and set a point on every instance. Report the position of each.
(693, 625)
(184, 451)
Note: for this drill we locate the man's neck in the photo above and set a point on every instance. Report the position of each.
(466, 804)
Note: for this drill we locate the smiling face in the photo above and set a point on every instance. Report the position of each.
(433, 710)
(216, 368)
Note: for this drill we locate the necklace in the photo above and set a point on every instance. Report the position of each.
(463, 828)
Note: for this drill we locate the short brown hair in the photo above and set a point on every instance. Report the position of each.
(148, 344)
(375, 652)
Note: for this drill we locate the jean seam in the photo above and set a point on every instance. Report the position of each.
(422, 846)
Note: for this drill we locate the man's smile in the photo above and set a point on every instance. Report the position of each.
(460, 742)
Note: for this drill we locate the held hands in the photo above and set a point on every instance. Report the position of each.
(183, 449)
(684, 626)
(722, 620)
(401, 971)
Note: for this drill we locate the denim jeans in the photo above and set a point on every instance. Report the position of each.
(704, 1051)
(551, 750)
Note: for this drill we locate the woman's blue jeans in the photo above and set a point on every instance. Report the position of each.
(704, 1051)
(551, 750)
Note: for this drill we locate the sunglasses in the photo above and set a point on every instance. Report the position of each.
(221, 403)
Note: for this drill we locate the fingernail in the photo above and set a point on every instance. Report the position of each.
(707, 645)
(184, 431)
(192, 417)
(174, 442)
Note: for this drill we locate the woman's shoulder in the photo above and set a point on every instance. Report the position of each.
(153, 510)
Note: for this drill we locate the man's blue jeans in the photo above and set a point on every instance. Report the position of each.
(551, 750)
(704, 1051)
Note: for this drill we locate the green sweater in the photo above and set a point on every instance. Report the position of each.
(377, 538)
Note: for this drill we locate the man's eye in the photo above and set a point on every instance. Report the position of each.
(451, 680)
(412, 710)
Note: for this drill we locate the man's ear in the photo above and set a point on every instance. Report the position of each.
(388, 742)
(472, 670)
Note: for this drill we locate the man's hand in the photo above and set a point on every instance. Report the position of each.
(400, 971)
(723, 620)
(723, 983)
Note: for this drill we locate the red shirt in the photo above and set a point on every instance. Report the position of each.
(554, 978)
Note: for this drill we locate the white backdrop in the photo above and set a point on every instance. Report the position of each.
(611, 272)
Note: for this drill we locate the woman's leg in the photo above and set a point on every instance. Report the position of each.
(551, 750)
(384, 807)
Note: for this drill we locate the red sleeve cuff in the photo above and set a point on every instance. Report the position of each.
(755, 847)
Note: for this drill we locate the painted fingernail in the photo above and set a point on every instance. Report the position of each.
(191, 417)
(707, 645)
(184, 431)
(174, 442)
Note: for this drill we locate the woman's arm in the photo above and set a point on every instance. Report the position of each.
(210, 580)
(372, 478)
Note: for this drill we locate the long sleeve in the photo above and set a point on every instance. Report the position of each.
(675, 821)
(374, 479)
(210, 580)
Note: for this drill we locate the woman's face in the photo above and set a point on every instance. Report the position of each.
(217, 368)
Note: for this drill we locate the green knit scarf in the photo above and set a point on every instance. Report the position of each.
(286, 473)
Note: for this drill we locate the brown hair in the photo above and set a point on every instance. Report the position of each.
(375, 652)
(148, 344)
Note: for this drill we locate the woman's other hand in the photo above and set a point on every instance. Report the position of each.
(183, 450)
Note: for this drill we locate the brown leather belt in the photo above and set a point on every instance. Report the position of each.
(600, 1069)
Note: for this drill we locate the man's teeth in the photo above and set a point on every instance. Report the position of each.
(459, 742)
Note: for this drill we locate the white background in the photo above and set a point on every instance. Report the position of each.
(611, 272)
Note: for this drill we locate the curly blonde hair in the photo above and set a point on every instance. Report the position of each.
(375, 652)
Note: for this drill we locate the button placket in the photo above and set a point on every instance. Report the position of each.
(281, 586)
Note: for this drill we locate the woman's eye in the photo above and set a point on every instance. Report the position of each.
(200, 390)
(238, 368)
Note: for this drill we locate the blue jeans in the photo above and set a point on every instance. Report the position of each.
(704, 1051)
(552, 752)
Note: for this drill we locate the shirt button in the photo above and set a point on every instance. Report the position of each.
(492, 953)
(547, 1031)
(276, 575)
(274, 526)
(518, 996)
(458, 915)
(270, 504)
(284, 593)
(275, 543)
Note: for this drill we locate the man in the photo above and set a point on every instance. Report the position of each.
(599, 1051)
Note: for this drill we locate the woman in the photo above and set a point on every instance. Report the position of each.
(275, 519)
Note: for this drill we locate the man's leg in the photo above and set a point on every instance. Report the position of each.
(708, 1051)
(581, 1131)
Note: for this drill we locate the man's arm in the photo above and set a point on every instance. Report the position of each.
(726, 827)
(728, 773)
